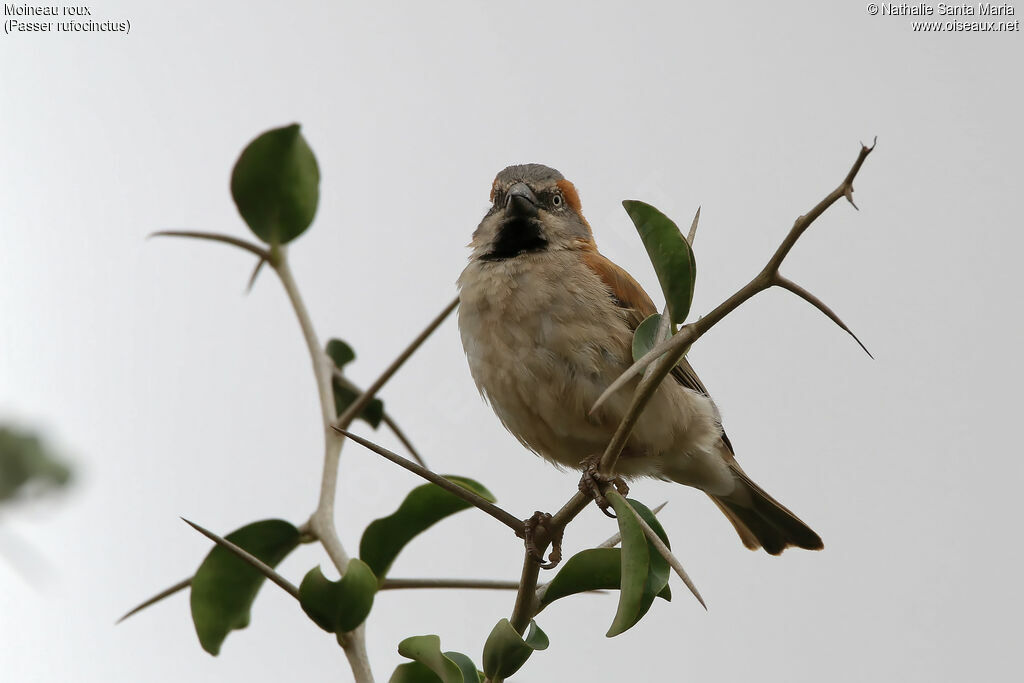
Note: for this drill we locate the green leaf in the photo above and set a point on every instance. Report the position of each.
(635, 564)
(341, 353)
(506, 651)
(224, 586)
(658, 573)
(344, 395)
(470, 674)
(587, 570)
(414, 672)
(424, 506)
(645, 335)
(590, 570)
(426, 650)
(275, 185)
(670, 255)
(339, 606)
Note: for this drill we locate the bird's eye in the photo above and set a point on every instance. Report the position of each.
(556, 200)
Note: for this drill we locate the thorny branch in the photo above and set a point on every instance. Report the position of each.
(663, 358)
(654, 367)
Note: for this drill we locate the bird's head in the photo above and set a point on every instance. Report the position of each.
(533, 208)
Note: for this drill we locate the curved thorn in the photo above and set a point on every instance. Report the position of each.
(255, 273)
(820, 305)
(216, 237)
(848, 193)
(181, 585)
(693, 227)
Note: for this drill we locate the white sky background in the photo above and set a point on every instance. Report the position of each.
(174, 394)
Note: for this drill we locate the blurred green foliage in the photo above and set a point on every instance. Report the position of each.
(27, 467)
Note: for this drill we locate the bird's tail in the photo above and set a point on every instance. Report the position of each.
(763, 522)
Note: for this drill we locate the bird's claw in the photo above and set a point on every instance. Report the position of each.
(593, 480)
(540, 525)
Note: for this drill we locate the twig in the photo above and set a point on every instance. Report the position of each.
(474, 584)
(357, 406)
(506, 518)
(662, 358)
(526, 599)
(321, 523)
(673, 348)
(258, 564)
(181, 585)
(610, 456)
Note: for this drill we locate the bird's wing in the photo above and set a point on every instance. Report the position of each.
(629, 295)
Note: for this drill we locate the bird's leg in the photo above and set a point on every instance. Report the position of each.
(593, 480)
(537, 534)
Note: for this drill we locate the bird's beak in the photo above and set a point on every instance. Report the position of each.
(521, 202)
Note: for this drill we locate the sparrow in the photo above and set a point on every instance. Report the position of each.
(547, 324)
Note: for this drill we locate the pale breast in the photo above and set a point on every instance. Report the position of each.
(544, 339)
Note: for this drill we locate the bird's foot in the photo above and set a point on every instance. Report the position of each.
(593, 480)
(537, 533)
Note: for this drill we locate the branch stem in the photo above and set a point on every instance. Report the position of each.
(471, 584)
(321, 523)
(674, 348)
(526, 599)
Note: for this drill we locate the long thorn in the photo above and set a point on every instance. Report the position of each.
(509, 520)
(181, 585)
(257, 564)
(673, 562)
